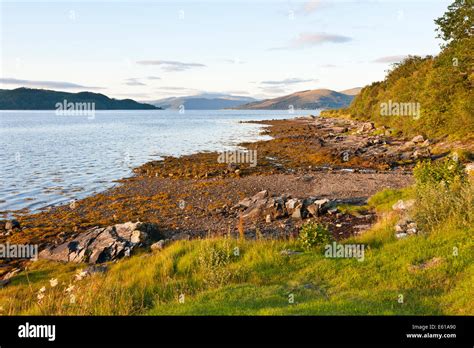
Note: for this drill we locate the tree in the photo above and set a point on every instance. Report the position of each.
(458, 22)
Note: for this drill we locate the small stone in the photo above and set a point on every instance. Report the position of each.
(403, 205)
(313, 209)
(268, 218)
(288, 252)
(138, 236)
(12, 224)
(418, 139)
(297, 212)
(261, 195)
(399, 228)
(401, 235)
(232, 167)
(158, 245)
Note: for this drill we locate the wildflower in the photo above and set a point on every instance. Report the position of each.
(43, 289)
(53, 282)
(69, 288)
(40, 296)
(80, 275)
(72, 299)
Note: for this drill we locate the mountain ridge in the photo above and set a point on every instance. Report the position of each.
(307, 100)
(204, 101)
(43, 99)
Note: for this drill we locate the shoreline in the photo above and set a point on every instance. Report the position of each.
(299, 160)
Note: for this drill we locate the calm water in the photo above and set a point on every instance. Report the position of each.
(46, 159)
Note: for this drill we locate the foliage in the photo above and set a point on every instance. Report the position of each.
(444, 172)
(457, 22)
(442, 85)
(313, 234)
(213, 259)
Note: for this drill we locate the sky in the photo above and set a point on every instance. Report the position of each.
(157, 49)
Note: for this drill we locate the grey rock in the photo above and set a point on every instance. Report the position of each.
(158, 245)
(297, 212)
(403, 205)
(12, 224)
(418, 139)
(101, 244)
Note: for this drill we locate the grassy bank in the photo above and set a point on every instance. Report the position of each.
(428, 273)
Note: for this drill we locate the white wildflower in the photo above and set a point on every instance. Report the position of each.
(53, 282)
(69, 288)
(43, 289)
(80, 274)
(72, 299)
(40, 296)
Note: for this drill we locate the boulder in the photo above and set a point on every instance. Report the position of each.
(366, 127)
(418, 139)
(403, 205)
(101, 244)
(469, 168)
(297, 212)
(12, 224)
(158, 245)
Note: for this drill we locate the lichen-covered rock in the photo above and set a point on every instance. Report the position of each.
(101, 244)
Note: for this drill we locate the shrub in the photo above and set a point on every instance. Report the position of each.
(213, 259)
(447, 172)
(313, 234)
(443, 195)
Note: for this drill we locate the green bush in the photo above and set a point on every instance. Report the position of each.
(213, 259)
(313, 234)
(443, 195)
(447, 172)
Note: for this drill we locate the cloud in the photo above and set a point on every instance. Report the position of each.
(153, 78)
(233, 61)
(289, 81)
(170, 65)
(134, 82)
(389, 59)
(313, 39)
(329, 66)
(45, 84)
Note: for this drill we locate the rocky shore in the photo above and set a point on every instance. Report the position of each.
(308, 170)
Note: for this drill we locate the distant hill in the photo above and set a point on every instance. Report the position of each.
(306, 100)
(42, 99)
(352, 91)
(205, 101)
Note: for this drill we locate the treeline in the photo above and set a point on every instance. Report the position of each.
(433, 96)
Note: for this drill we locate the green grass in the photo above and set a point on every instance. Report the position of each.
(260, 280)
(433, 272)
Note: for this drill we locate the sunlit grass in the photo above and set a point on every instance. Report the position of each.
(223, 276)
